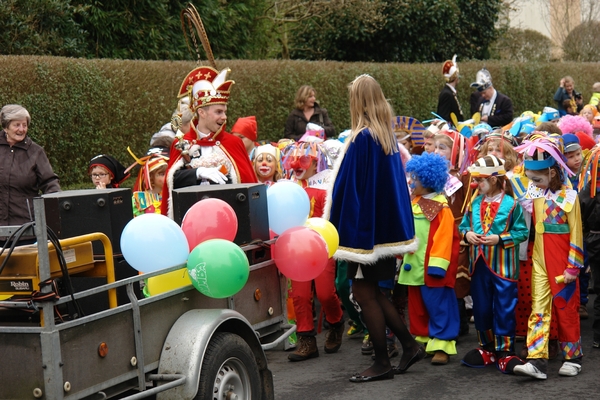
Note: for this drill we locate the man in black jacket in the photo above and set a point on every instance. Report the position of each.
(448, 101)
(496, 109)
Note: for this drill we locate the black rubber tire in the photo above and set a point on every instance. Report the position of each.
(228, 365)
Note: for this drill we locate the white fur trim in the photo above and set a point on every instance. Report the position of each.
(333, 177)
(379, 252)
(170, 177)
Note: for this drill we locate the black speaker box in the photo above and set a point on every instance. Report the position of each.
(78, 212)
(248, 200)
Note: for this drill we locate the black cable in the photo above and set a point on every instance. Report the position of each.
(65, 272)
(13, 240)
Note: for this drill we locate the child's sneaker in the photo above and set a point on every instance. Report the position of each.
(534, 368)
(354, 331)
(367, 346)
(569, 369)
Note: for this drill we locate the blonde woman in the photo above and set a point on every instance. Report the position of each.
(369, 204)
(307, 110)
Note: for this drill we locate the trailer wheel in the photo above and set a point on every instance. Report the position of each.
(229, 370)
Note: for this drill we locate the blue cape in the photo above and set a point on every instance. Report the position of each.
(370, 203)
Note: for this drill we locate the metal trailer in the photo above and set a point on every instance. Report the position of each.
(175, 345)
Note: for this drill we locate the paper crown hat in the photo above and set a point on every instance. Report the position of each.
(206, 86)
(541, 151)
(450, 70)
(483, 80)
(489, 165)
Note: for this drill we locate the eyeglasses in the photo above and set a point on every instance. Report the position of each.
(478, 180)
(97, 176)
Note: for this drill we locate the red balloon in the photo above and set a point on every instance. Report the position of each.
(209, 219)
(301, 254)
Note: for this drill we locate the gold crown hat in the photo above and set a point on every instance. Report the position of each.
(450, 70)
(206, 86)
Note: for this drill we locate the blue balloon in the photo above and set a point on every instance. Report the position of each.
(152, 242)
(288, 206)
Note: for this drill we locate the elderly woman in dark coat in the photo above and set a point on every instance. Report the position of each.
(25, 171)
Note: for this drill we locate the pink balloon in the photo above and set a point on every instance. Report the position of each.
(209, 219)
(301, 254)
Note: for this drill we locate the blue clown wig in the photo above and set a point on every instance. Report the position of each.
(430, 169)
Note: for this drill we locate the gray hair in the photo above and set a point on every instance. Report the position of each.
(186, 113)
(13, 112)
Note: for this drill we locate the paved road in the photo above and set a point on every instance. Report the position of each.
(326, 377)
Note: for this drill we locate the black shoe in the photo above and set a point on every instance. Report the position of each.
(418, 356)
(358, 378)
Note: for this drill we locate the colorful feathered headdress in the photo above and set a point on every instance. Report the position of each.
(148, 163)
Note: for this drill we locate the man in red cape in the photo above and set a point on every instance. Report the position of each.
(206, 154)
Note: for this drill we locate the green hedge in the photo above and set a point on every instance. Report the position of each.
(81, 108)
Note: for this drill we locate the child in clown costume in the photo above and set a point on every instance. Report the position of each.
(452, 146)
(429, 272)
(557, 257)
(494, 226)
(266, 164)
(307, 164)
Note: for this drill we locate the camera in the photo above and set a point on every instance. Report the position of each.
(578, 96)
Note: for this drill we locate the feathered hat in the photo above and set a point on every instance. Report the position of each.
(483, 80)
(450, 70)
(149, 163)
(204, 85)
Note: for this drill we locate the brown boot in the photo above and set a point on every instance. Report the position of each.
(305, 348)
(333, 338)
(440, 358)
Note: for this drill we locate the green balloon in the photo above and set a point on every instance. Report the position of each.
(218, 268)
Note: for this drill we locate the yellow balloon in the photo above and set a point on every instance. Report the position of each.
(169, 281)
(327, 231)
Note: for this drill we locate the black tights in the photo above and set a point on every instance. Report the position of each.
(377, 313)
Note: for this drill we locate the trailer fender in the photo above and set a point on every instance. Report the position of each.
(185, 347)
